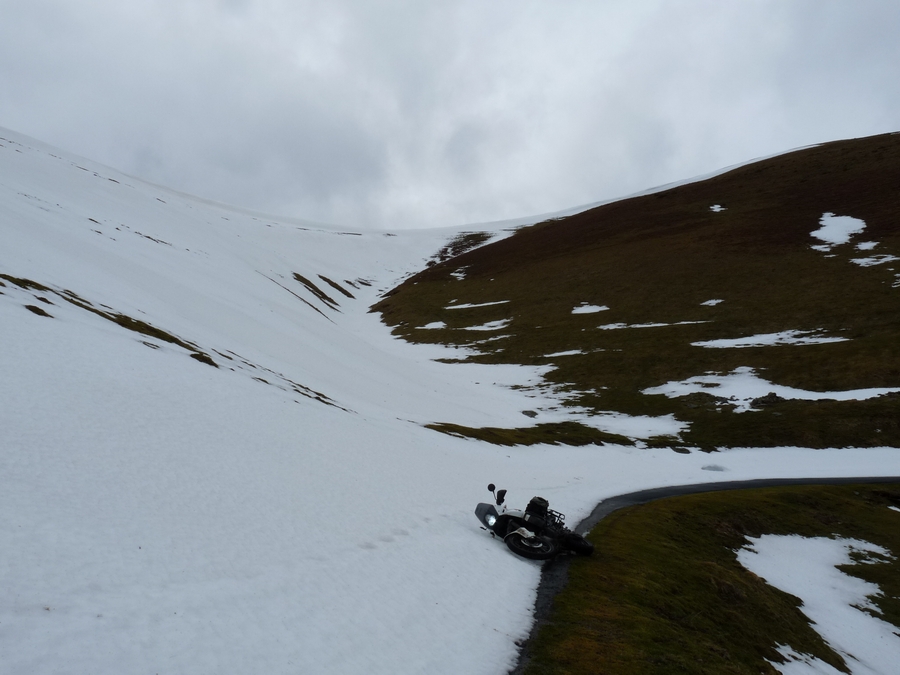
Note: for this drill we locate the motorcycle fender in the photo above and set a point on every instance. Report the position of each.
(525, 533)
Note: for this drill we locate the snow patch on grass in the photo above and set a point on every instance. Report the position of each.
(589, 309)
(459, 274)
(836, 603)
(874, 260)
(635, 426)
(620, 326)
(490, 325)
(836, 230)
(742, 385)
(471, 306)
(787, 337)
(802, 664)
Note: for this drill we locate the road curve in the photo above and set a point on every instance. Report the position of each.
(555, 573)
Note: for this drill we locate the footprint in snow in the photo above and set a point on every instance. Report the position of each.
(385, 538)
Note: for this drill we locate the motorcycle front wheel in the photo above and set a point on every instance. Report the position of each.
(533, 548)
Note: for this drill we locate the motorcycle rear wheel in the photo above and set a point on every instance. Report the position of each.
(579, 545)
(533, 548)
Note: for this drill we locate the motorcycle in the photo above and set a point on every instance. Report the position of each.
(537, 533)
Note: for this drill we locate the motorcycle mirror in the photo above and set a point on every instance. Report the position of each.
(501, 496)
(491, 487)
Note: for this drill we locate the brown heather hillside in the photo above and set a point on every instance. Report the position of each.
(655, 259)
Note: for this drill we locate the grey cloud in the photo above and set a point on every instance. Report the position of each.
(420, 114)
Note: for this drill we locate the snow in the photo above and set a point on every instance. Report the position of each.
(874, 260)
(717, 208)
(482, 304)
(712, 303)
(836, 230)
(620, 326)
(788, 337)
(635, 426)
(569, 352)
(743, 385)
(836, 603)
(802, 664)
(459, 274)
(287, 511)
(490, 325)
(589, 309)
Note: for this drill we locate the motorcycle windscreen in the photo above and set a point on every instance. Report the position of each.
(487, 514)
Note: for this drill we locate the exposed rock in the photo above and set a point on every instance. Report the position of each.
(768, 400)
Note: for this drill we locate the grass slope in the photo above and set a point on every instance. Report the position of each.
(664, 592)
(656, 258)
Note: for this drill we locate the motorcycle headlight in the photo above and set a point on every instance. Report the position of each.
(491, 519)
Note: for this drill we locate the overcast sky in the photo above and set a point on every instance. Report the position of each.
(376, 113)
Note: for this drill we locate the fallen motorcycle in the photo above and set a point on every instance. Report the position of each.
(537, 533)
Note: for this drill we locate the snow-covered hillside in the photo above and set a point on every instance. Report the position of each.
(212, 456)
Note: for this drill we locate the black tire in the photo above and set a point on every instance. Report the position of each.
(579, 545)
(533, 548)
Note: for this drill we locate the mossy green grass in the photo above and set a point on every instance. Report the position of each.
(664, 592)
(568, 433)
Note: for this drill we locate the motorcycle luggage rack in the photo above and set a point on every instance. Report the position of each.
(555, 518)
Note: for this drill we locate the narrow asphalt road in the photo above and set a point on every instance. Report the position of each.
(555, 573)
